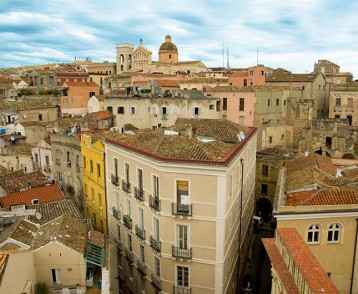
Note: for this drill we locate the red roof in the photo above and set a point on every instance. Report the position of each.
(279, 265)
(332, 196)
(44, 194)
(100, 115)
(308, 265)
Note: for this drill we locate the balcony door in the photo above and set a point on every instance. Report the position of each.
(182, 276)
(182, 237)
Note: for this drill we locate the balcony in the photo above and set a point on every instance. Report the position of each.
(178, 252)
(156, 282)
(141, 267)
(181, 290)
(155, 244)
(127, 220)
(139, 194)
(115, 180)
(116, 213)
(182, 209)
(126, 186)
(140, 232)
(154, 202)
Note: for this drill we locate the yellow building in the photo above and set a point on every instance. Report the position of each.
(92, 149)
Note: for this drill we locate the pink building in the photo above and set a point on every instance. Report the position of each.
(251, 76)
(237, 104)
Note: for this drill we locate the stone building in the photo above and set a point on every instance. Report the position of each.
(332, 72)
(130, 59)
(168, 230)
(68, 164)
(343, 103)
(42, 157)
(145, 109)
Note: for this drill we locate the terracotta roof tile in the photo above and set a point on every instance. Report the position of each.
(334, 196)
(308, 265)
(279, 265)
(80, 84)
(44, 194)
(19, 181)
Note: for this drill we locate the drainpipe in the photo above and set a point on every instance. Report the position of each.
(354, 258)
(240, 225)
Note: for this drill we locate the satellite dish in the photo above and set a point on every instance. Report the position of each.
(38, 215)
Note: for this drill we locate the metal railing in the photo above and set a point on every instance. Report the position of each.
(126, 186)
(154, 202)
(139, 193)
(157, 283)
(140, 232)
(127, 220)
(116, 213)
(155, 244)
(181, 290)
(182, 209)
(115, 180)
(181, 252)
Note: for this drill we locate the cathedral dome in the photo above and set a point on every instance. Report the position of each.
(168, 45)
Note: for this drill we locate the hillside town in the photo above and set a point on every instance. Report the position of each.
(144, 176)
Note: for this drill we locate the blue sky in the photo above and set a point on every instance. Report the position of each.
(290, 33)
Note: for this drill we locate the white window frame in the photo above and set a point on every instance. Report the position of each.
(313, 230)
(176, 275)
(175, 189)
(188, 235)
(334, 229)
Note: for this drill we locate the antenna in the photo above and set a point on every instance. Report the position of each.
(223, 51)
(257, 56)
(227, 59)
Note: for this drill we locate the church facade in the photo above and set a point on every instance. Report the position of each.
(131, 59)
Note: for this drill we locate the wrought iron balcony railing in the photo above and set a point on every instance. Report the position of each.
(184, 253)
(139, 194)
(154, 202)
(140, 232)
(182, 209)
(155, 244)
(127, 220)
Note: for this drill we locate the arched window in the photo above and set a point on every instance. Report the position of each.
(313, 234)
(121, 59)
(334, 233)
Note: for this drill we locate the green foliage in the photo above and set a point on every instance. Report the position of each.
(41, 288)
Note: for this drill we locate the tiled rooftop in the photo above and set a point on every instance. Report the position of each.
(279, 265)
(289, 77)
(332, 196)
(19, 181)
(46, 212)
(43, 194)
(308, 265)
(197, 140)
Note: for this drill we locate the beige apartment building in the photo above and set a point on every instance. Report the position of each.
(177, 207)
(343, 102)
(153, 111)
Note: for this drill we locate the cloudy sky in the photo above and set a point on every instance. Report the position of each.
(289, 33)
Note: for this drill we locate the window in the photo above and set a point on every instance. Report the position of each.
(156, 186)
(132, 110)
(211, 106)
(120, 110)
(35, 201)
(268, 102)
(196, 111)
(245, 82)
(110, 109)
(130, 242)
(262, 73)
(270, 139)
(91, 94)
(170, 56)
(68, 156)
(337, 116)
(277, 102)
(251, 72)
(91, 166)
(47, 160)
(182, 237)
(182, 193)
(142, 254)
(98, 170)
(116, 167)
(140, 179)
(182, 276)
(338, 101)
(156, 228)
(218, 106)
(313, 234)
(36, 158)
(126, 168)
(129, 210)
(164, 110)
(284, 102)
(56, 273)
(242, 104)
(40, 117)
(141, 217)
(265, 170)
(157, 265)
(224, 104)
(334, 233)
(264, 189)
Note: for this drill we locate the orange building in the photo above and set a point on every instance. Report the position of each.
(251, 76)
(76, 96)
